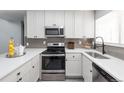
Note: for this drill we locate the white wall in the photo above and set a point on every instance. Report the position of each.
(9, 29)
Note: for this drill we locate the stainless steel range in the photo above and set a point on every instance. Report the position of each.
(53, 62)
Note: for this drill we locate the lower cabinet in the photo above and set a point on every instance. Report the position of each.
(29, 72)
(34, 71)
(87, 69)
(73, 65)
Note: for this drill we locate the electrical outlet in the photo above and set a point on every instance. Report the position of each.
(27, 44)
(79, 42)
(44, 42)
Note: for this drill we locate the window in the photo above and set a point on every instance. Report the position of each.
(121, 27)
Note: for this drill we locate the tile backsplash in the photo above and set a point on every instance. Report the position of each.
(42, 43)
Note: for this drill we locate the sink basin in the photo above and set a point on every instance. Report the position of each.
(96, 55)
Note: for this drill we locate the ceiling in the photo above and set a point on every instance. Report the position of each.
(12, 15)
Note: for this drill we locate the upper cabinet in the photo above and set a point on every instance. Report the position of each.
(54, 17)
(35, 24)
(77, 24)
(89, 24)
(69, 24)
(84, 24)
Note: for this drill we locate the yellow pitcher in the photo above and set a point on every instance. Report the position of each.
(11, 48)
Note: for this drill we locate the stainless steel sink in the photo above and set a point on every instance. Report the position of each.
(96, 55)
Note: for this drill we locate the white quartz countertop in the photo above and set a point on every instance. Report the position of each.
(8, 65)
(113, 66)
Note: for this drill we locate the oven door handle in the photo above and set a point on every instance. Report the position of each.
(53, 55)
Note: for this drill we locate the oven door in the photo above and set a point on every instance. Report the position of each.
(53, 63)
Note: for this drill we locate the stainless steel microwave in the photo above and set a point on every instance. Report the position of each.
(54, 31)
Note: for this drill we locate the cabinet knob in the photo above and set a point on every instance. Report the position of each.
(18, 73)
(73, 56)
(90, 70)
(33, 66)
(19, 79)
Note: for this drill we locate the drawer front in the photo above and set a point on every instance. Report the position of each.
(25, 68)
(12, 77)
(17, 75)
(74, 57)
(20, 73)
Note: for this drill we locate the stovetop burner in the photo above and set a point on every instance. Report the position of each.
(53, 52)
(55, 48)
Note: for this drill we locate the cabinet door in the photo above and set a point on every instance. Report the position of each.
(89, 24)
(79, 24)
(24, 72)
(69, 24)
(31, 24)
(54, 17)
(73, 68)
(87, 69)
(34, 72)
(40, 24)
(35, 24)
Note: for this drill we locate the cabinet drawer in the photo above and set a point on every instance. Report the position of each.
(25, 68)
(74, 57)
(12, 77)
(17, 74)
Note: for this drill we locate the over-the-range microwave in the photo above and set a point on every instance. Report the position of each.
(54, 31)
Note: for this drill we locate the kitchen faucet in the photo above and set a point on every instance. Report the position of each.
(95, 44)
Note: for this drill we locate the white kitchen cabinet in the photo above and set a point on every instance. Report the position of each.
(34, 72)
(79, 24)
(12, 77)
(69, 24)
(84, 24)
(73, 64)
(29, 72)
(87, 69)
(89, 24)
(35, 24)
(54, 17)
(18, 74)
